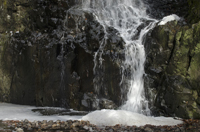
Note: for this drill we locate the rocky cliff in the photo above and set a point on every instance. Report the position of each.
(47, 57)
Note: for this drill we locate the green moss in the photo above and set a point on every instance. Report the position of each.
(190, 114)
(5, 79)
(178, 36)
(162, 37)
(188, 37)
(195, 94)
(184, 40)
(193, 71)
(181, 60)
(5, 3)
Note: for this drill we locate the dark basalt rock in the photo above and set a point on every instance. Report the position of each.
(56, 111)
(161, 8)
(48, 59)
(187, 9)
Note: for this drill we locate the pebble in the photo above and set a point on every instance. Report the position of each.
(54, 126)
(147, 129)
(85, 126)
(19, 130)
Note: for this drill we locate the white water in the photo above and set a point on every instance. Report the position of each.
(169, 18)
(127, 118)
(126, 16)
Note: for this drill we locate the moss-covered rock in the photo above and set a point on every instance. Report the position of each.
(5, 77)
(177, 82)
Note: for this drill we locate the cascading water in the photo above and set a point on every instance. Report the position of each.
(129, 18)
(60, 57)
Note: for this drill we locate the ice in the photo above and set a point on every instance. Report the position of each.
(99, 117)
(169, 18)
(113, 117)
(21, 112)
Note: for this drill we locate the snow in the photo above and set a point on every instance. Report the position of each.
(169, 18)
(99, 117)
(113, 117)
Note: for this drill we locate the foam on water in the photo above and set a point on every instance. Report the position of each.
(113, 117)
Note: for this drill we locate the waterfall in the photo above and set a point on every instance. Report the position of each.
(129, 18)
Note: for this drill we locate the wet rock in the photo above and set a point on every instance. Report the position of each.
(91, 100)
(107, 104)
(169, 65)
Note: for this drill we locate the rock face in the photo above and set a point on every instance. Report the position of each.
(172, 65)
(47, 57)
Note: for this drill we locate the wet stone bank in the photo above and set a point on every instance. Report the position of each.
(85, 126)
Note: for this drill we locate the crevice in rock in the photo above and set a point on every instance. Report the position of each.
(41, 101)
(160, 91)
(58, 50)
(23, 94)
(189, 60)
(173, 48)
(74, 62)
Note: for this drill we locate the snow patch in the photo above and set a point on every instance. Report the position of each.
(113, 117)
(169, 18)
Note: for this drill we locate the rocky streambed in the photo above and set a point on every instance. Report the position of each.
(85, 126)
